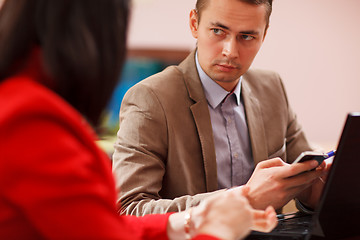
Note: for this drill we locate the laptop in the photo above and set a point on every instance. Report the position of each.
(338, 213)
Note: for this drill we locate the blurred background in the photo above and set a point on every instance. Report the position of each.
(314, 45)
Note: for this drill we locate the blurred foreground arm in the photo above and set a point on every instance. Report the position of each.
(226, 215)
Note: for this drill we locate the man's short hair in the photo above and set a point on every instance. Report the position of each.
(202, 4)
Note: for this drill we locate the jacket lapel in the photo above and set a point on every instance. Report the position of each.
(255, 123)
(201, 116)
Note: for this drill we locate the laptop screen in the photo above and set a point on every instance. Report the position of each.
(339, 208)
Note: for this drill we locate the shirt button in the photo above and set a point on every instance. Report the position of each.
(236, 155)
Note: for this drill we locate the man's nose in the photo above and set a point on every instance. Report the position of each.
(230, 48)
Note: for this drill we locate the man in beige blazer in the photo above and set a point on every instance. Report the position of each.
(165, 158)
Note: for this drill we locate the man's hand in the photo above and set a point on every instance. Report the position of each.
(275, 182)
(311, 196)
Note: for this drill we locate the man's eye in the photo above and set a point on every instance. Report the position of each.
(217, 31)
(247, 37)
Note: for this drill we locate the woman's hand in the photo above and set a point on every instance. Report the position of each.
(226, 215)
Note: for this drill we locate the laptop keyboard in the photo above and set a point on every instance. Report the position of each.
(290, 227)
(294, 223)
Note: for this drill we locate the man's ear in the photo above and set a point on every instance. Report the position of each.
(193, 22)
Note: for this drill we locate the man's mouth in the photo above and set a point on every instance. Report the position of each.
(226, 67)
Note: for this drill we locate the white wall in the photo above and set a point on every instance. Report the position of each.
(161, 23)
(314, 45)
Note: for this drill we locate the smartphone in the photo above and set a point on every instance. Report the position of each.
(308, 155)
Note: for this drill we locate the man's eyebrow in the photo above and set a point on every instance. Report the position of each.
(217, 24)
(249, 32)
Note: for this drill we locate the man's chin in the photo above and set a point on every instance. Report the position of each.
(224, 78)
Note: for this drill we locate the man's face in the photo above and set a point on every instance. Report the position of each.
(229, 35)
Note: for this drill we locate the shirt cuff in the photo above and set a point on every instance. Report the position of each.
(303, 208)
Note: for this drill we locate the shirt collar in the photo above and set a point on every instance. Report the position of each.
(214, 93)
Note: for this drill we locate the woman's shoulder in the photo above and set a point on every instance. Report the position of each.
(29, 106)
(22, 97)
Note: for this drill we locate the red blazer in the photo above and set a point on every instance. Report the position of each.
(55, 183)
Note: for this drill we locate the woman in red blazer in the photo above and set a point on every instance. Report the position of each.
(60, 61)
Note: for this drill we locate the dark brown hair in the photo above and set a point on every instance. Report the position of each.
(83, 44)
(202, 4)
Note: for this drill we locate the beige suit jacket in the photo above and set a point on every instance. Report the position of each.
(164, 157)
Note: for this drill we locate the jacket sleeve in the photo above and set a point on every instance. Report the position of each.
(139, 160)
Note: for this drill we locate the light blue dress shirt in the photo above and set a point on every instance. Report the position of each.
(232, 144)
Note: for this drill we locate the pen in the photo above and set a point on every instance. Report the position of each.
(331, 153)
